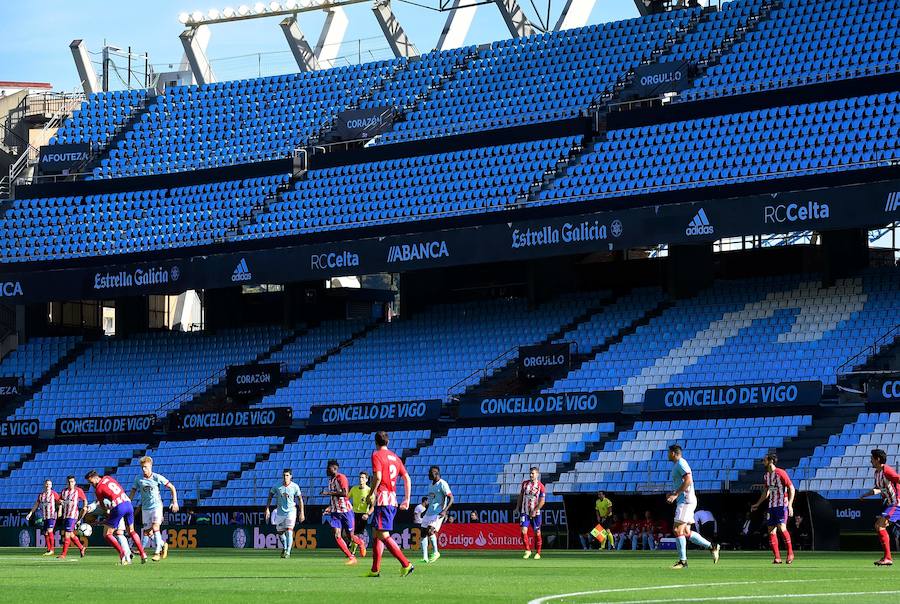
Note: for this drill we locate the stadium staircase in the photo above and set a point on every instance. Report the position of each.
(501, 374)
(53, 371)
(245, 467)
(589, 449)
(434, 434)
(828, 419)
(39, 446)
(101, 152)
(261, 208)
(882, 356)
(728, 43)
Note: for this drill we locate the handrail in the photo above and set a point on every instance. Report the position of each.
(201, 386)
(482, 371)
(865, 352)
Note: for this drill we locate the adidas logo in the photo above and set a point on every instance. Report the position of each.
(241, 272)
(699, 225)
(893, 202)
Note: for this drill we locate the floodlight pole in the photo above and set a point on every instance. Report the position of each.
(195, 40)
(518, 24)
(457, 26)
(329, 45)
(393, 31)
(300, 48)
(575, 14)
(86, 73)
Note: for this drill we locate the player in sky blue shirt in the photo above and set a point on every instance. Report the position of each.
(685, 501)
(288, 499)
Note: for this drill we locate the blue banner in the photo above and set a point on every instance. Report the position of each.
(361, 413)
(884, 390)
(565, 404)
(20, 428)
(782, 394)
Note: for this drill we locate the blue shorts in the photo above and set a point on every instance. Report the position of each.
(70, 524)
(534, 522)
(384, 517)
(341, 520)
(777, 516)
(892, 513)
(123, 510)
(49, 524)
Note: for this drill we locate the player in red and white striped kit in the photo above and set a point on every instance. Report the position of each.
(887, 484)
(48, 501)
(341, 517)
(71, 515)
(531, 499)
(780, 492)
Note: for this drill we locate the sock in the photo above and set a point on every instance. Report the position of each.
(376, 557)
(78, 544)
(396, 552)
(137, 543)
(525, 543)
(124, 543)
(157, 536)
(434, 543)
(66, 546)
(115, 543)
(282, 538)
(425, 547)
(343, 545)
(289, 535)
(773, 543)
(885, 543)
(681, 546)
(697, 539)
(358, 541)
(50, 541)
(145, 541)
(540, 541)
(787, 542)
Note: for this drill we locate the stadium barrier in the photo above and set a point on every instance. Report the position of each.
(383, 413)
(550, 406)
(783, 394)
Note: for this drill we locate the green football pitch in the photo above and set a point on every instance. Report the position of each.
(220, 576)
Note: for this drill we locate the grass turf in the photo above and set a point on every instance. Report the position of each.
(221, 576)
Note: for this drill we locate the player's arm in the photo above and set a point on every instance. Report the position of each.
(268, 504)
(84, 505)
(540, 504)
(792, 492)
(407, 482)
(302, 510)
(686, 481)
(765, 495)
(870, 493)
(519, 498)
(174, 506)
(37, 502)
(131, 493)
(447, 503)
(376, 482)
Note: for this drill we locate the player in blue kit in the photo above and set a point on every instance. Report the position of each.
(147, 484)
(289, 500)
(440, 498)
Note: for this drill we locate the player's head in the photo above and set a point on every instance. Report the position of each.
(534, 473)
(92, 477)
(381, 438)
(363, 478)
(424, 500)
(48, 485)
(332, 468)
(770, 460)
(70, 481)
(601, 495)
(434, 473)
(473, 517)
(146, 465)
(879, 458)
(674, 452)
(287, 475)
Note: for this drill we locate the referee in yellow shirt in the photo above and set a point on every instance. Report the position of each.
(358, 496)
(603, 509)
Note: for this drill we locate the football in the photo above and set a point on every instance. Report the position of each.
(86, 529)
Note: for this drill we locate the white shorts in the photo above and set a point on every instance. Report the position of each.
(284, 523)
(433, 521)
(151, 517)
(684, 513)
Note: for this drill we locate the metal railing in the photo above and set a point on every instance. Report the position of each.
(483, 372)
(869, 351)
(52, 103)
(199, 388)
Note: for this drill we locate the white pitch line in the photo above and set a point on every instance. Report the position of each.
(761, 597)
(544, 599)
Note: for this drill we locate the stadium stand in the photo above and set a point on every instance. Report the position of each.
(196, 465)
(134, 221)
(149, 373)
(636, 461)
(795, 330)
(714, 30)
(440, 349)
(315, 342)
(307, 457)
(10, 455)
(20, 489)
(33, 358)
(832, 136)
(100, 117)
(612, 319)
(840, 469)
(807, 41)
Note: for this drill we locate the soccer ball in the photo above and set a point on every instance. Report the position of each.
(86, 529)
